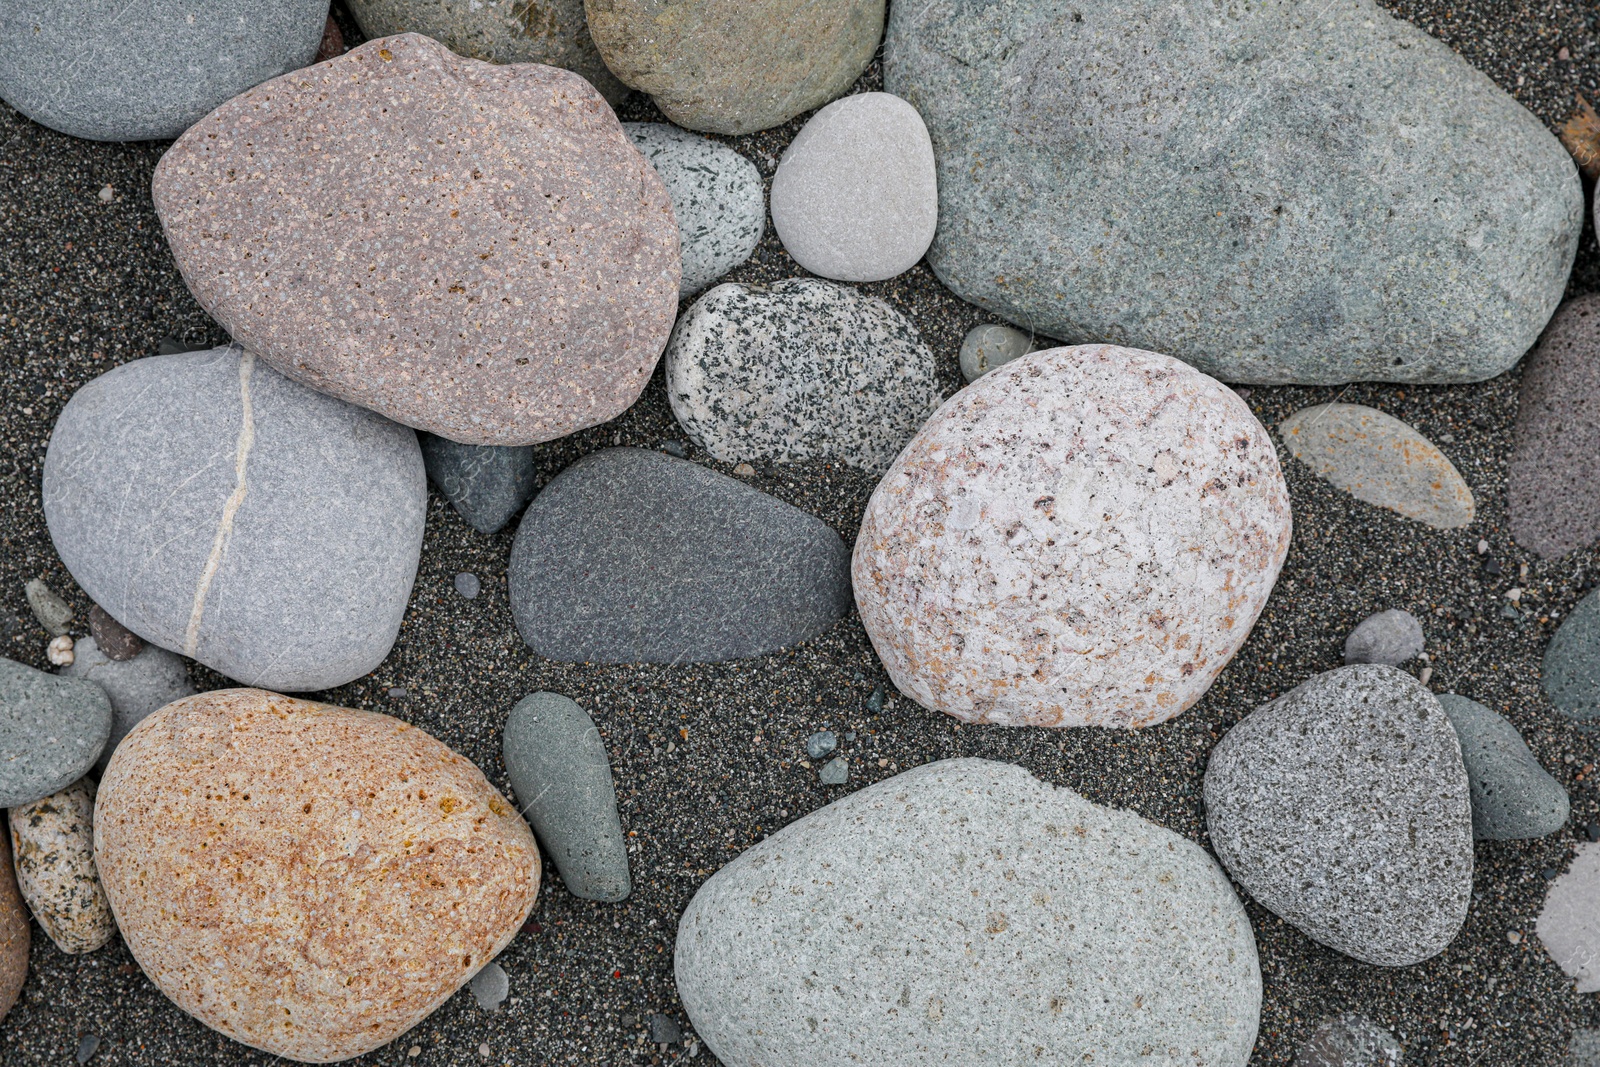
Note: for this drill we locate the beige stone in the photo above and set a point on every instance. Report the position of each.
(310, 880)
(15, 933)
(53, 842)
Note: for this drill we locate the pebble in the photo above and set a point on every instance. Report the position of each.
(51, 611)
(1513, 797)
(113, 640)
(1378, 459)
(467, 585)
(16, 935)
(1584, 1051)
(562, 778)
(76, 68)
(491, 986)
(820, 744)
(631, 556)
(1343, 807)
(736, 66)
(799, 370)
(88, 1045)
(401, 839)
(214, 452)
(1390, 637)
(989, 346)
(52, 840)
(855, 197)
(1348, 1041)
(716, 196)
(1053, 547)
(60, 651)
(1570, 674)
(850, 919)
(136, 687)
(486, 484)
(552, 278)
(1058, 206)
(664, 1031)
(835, 772)
(1569, 924)
(51, 731)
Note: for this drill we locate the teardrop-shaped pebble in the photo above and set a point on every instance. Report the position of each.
(53, 843)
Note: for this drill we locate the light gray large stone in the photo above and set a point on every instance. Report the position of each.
(51, 731)
(150, 680)
(1569, 923)
(219, 510)
(1291, 191)
(1343, 806)
(966, 913)
(1513, 796)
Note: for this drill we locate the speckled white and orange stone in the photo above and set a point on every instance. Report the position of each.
(53, 843)
(310, 880)
(1083, 537)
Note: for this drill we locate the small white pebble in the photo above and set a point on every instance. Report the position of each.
(1427, 672)
(60, 651)
(106, 194)
(1513, 937)
(1483, 548)
(1522, 571)
(483, 1050)
(1513, 595)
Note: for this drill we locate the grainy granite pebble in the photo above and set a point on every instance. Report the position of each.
(1513, 797)
(136, 687)
(1569, 923)
(486, 484)
(1391, 637)
(51, 731)
(52, 841)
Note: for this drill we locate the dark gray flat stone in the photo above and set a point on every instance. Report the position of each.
(148, 682)
(51, 731)
(1513, 797)
(1570, 673)
(486, 484)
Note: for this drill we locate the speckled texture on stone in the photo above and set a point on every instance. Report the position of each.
(630, 556)
(310, 880)
(1149, 164)
(222, 511)
(1513, 796)
(965, 912)
(98, 69)
(1569, 925)
(1349, 1041)
(473, 250)
(855, 197)
(989, 346)
(1555, 462)
(562, 777)
(553, 32)
(138, 686)
(1570, 673)
(52, 841)
(1083, 537)
(736, 66)
(15, 934)
(1584, 1050)
(1343, 806)
(803, 369)
(1378, 459)
(1391, 637)
(486, 484)
(51, 731)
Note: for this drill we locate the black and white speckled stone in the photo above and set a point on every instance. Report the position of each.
(52, 840)
(486, 484)
(51, 731)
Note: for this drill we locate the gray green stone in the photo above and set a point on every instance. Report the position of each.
(1513, 797)
(989, 346)
(138, 686)
(1571, 671)
(52, 729)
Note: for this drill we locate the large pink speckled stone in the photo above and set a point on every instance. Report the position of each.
(1083, 537)
(470, 249)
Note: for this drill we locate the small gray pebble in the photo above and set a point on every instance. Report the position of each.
(676, 448)
(51, 611)
(1348, 1041)
(136, 687)
(398, 693)
(490, 986)
(875, 701)
(467, 584)
(630, 1020)
(663, 1031)
(835, 772)
(850, 735)
(88, 1045)
(989, 346)
(821, 744)
(1509, 612)
(1584, 1050)
(1513, 796)
(1390, 637)
(1594, 831)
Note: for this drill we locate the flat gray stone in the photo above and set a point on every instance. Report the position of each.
(1343, 806)
(1348, 1041)
(1584, 1050)
(1257, 191)
(855, 197)
(96, 69)
(1570, 674)
(966, 913)
(50, 610)
(221, 511)
(716, 195)
(148, 682)
(989, 346)
(562, 777)
(798, 370)
(490, 987)
(1390, 637)
(1569, 924)
(834, 772)
(1513, 796)
(486, 484)
(51, 731)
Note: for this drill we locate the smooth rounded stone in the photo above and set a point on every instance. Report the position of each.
(1083, 537)
(965, 912)
(467, 585)
(51, 611)
(220, 510)
(1390, 637)
(486, 484)
(405, 870)
(834, 772)
(112, 639)
(53, 842)
(138, 686)
(1584, 1051)
(16, 935)
(561, 774)
(92, 68)
(1378, 459)
(801, 369)
(1569, 924)
(1513, 796)
(1343, 806)
(553, 32)
(1555, 458)
(989, 346)
(473, 250)
(490, 987)
(630, 556)
(716, 196)
(664, 1030)
(52, 729)
(1348, 1041)
(737, 66)
(1570, 673)
(855, 197)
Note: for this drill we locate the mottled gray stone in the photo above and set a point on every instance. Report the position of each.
(989, 346)
(716, 195)
(486, 484)
(1570, 673)
(1584, 1050)
(149, 681)
(1513, 797)
(1569, 923)
(51, 731)
(1343, 806)
(855, 197)
(821, 744)
(562, 777)
(491, 986)
(1134, 171)
(965, 913)
(467, 585)
(52, 840)
(219, 510)
(664, 1031)
(834, 772)
(50, 610)
(98, 69)
(1390, 637)
(801, 369)
(630, 556)
(1348, 1041)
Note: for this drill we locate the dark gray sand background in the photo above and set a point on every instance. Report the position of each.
(709, 758)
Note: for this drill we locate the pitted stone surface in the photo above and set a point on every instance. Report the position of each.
(52, 840)
(52, 729)
(801, 369)
(149, 681)
(16, 936)
(473, 250)
(963, 913)
(310, 880)
(1083, 537)
(1569, 924)
(1513, 796)
(1570, 672)
(1343, 806)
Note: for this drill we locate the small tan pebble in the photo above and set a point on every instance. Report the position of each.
(15, 933)
(1513, 937)
(483, 1050)
(1426, 673)
(60, 651)
(53, 840)
(414, 1051)
(744, 470)
(107, 194)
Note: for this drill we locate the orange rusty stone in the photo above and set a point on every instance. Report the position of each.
(15, 933)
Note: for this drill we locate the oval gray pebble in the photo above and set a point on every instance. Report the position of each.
(491, 986)
(467, 584)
